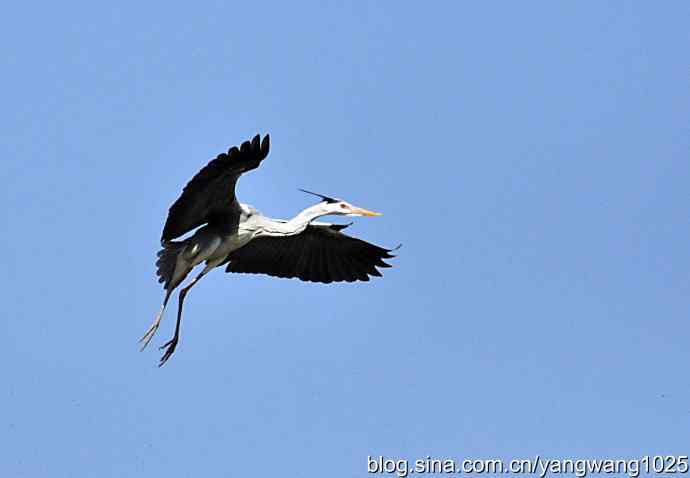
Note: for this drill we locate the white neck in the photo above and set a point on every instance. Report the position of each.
(295, 225)
(302, 220)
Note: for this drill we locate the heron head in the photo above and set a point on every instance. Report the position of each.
(338, 207)
(344, 208)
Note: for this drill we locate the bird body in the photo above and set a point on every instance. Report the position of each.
(229, 232)
(209, 244)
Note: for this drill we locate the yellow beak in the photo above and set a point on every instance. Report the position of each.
(364, 212)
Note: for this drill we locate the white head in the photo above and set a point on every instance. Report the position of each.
(344, 208)
(338, 207)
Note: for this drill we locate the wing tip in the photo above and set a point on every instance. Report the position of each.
(265, 145)
(388, 255)
(340, 227)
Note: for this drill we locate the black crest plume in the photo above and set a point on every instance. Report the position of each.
(328, 199)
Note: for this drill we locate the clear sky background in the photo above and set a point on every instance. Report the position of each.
(532, 157)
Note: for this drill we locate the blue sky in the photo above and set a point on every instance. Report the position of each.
(532, 157)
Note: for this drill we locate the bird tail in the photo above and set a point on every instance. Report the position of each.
(167, 262)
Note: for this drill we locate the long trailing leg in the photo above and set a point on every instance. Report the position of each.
(171, 344)
(146, 338)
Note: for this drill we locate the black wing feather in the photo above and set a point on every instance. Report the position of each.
(210, 196)
(318, 254)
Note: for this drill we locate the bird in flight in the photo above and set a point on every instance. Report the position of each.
(239, 237)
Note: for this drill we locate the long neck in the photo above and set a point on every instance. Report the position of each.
(302, 220)
(295, 225)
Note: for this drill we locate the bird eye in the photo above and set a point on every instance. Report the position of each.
(343, 206)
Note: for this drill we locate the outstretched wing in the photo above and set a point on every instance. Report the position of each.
(319, 254)
(210, 196)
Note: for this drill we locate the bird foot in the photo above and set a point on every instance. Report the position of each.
(148, 335)
(170, 348)
(144, 341)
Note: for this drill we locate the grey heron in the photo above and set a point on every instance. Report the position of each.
(237, 235)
